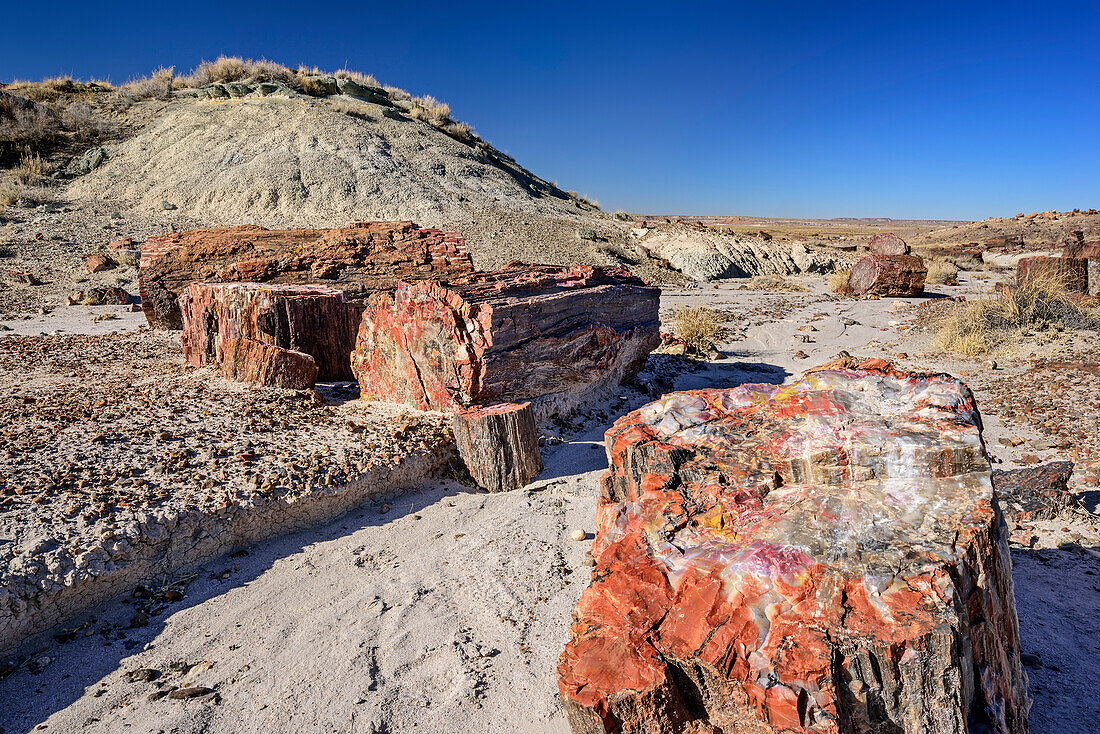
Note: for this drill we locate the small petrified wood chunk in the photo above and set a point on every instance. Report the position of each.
(888, 243)
(247, 360)
(311, 319)
(499, 445)
(1035, 492)
(824, 556)
(888, 275)
(1069, 274)
(359, 260)
(551, 335)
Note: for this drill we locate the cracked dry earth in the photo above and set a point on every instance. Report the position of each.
(446, 610)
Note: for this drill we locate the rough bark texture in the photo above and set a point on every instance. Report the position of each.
(554, 336)
(1034, 493)
(499, 445)
(888, 243)
(309, 319)
(825, 556)
(1071, 273)
(359, 259)
(888, 275)
(247, 360)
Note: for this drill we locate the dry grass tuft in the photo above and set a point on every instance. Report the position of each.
(698, 327)
(772, 283)
(839, 280)
(941, 270)
(355, 109)
(366, 80)
(32, 168)
(9, 194)
(985, 325)
(158, 85)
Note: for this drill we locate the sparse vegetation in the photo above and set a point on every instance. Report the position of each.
(698, 327)
(623, 216)
(619, 253)
(839, 280)
(942, 271)
(987, 325)
(159, 85)
(773, 283)
(9, 193)
(587, 234)
(355, 109)
(32, 168)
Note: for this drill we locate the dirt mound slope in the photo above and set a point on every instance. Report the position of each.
(282, 162)
(1045, 230)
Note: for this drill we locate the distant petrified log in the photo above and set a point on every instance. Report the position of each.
(825, 556)
(246, 360)
(888, 275)
(1035, 492)
(499, 445)
(309, 319)
(359, 259)
(1069, 274)
(553, 336)
(888, 243)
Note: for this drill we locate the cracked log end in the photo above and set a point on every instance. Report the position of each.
(499, 445)
(825, 556)
(888, 275)
(888, 243)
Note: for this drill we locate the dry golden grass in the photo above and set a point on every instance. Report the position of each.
(839, 280)
(9, 193)
(158, 85)
(942, 271)
(355, 109)
(772, 283)
(987, 325)
(32, 168)
(698, 326)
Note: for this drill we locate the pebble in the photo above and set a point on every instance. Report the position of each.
(578, 535)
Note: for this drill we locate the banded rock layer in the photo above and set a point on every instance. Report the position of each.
(553, 336)
(825, 556)
(359, 260)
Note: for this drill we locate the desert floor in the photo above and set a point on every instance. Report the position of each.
(445, 610)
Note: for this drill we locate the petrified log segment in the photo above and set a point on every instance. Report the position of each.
(246, 360)
(825, 556)
(359, 259)
(310, 319)
(888, 275)
(1069, 274)
(528, 332)
(888, 243)
(499, 445)
(1035, 492)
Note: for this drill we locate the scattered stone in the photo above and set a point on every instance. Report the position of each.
(99, 297)
(579, 535)
(167, 206)
(99, 262)
(181, 694)
(143, 674)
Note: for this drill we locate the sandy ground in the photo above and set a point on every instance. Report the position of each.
(447, 612)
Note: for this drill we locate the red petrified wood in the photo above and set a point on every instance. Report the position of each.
(825, 556)
(888, 275)
(224, 322)
(888, 243)
(554, 336)
(499, 445)
(246, 360)
(1069, 274)
(358, 259)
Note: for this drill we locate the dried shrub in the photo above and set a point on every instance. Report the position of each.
(9, 193)
(839, 280)
(366, 80)
(32, 168)
(355, 109)
(156, 86)
(698, 326)
(773, 283)
(623, 216)
(942, 271)
(981, 326)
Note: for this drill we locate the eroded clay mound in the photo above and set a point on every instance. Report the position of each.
(824, 556)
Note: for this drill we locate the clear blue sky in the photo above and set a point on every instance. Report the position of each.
(924, 109)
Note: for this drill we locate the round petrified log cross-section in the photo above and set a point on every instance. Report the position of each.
(888, 275)
(824, 556)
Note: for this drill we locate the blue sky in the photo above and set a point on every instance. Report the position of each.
(925, 110)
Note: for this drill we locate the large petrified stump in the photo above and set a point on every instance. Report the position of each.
(888, 243)
(359, 259)
(499, 445)
(1069, 274)
(552, 336)
(825, 556)
(888, 275)
(222, 323)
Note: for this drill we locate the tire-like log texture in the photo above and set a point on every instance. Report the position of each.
(314, 320)
(554, 336)
(247, 360)
(888, 275)
(360, 259)
(499, 444)
(1070, 274)
(824, 556)
(888, 243)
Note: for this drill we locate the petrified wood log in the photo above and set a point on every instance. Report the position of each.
(1069, 274)
(825, 556)
(247, 360)
(551, 335)
(311, 319)
(359, 259)
(1035, 492)
(888, 243)
(499, 445)
(888, 275)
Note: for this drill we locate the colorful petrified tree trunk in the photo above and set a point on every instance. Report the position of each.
(888, 275)
(825, 556)
(359, 260)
